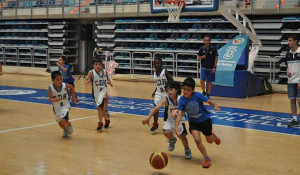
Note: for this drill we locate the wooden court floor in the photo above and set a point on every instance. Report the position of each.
(31, 143)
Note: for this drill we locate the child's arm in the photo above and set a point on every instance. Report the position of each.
(154, 110)
(51, 99)
(178, 118)
(153, 94)
(212, 103)
(88, 77)
(169, 76)
(71, 88)
(63, 67)
(109, 81)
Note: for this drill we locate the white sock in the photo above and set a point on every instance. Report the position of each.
(295, 118)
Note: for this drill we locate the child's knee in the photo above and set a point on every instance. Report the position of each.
(198, 141)
(63, 121)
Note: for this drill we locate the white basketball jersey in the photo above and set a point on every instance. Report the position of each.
(172, 106)
(63, 96)
(99, 83)
(161, 82)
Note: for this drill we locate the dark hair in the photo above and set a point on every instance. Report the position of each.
(174, 84)
(55, 74)
(189, 82)
(95, 60)
(294, 37)
(208, 36)
(64, 58)
(159, 59)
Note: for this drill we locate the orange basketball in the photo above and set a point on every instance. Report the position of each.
(159, 160)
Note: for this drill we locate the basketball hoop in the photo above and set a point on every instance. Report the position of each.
(174, 8)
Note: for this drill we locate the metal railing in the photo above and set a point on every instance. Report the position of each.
(74, 9)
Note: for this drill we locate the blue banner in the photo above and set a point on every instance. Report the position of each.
(229, 56)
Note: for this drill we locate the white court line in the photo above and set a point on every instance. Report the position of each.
(35, 126)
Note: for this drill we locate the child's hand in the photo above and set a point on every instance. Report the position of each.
(56, 100)
(146, 121)
(111, 85)
(177, 131)
(217, 108)
(57, 63)
(73, 99)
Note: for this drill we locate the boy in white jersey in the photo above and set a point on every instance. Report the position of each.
(99, 80)
(173, 89)
(58, 95)
(161, 76)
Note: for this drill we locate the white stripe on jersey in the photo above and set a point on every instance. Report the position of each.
(172, 106)
(99, 84)
(62, 95)
(161, 82)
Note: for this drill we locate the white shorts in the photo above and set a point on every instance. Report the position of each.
(61, 113)
(99, 98)
(171, 127)
(158, 98)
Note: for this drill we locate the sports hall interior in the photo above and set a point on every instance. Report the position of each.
(35, 33)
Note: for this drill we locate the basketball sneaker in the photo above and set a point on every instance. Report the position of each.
(187, 154)
(207, 163)
(172, 144)
(292, 123)
(100, 125)
(65, 134)
(154, 126)
(106, 123)
(70, 129)
(218, 140)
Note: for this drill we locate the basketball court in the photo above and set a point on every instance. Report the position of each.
(255, 139)
(253, 132)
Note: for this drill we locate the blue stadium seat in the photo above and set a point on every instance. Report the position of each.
(196, 26)
(184, 36)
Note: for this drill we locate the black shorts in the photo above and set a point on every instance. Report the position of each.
(66, 117)
(205, 127)
(71, 83)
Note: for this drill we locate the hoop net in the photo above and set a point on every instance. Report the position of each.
(174, 8)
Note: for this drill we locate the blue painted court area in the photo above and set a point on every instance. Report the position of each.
(231, 117)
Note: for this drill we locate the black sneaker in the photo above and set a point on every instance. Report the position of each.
(154, 127)
(292, 123)
(100, 125)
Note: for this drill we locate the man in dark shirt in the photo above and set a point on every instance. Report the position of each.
(209, 59)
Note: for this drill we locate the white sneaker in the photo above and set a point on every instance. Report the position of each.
(65, 134)
(70, 129)
(172, 144)
(187, 154)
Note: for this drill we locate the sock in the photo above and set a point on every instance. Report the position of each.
(207, 158)
(295, 118)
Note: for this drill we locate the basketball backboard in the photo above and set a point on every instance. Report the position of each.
(158, 6)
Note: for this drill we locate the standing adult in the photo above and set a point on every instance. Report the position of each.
(208, 55)
(293, 73)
